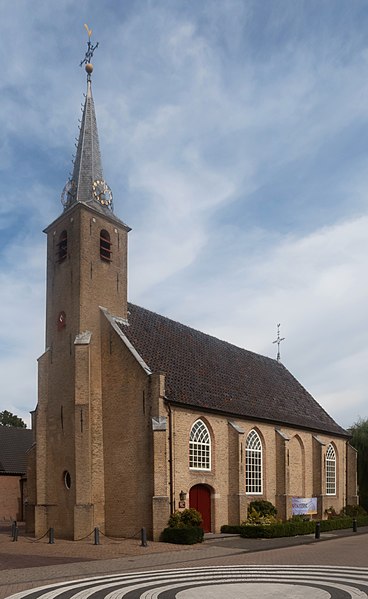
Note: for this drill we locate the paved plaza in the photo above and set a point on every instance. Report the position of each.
(226, 567)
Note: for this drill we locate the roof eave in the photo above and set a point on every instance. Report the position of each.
(273, 422)
(111, 217)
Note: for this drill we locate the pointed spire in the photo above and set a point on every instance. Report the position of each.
(87, 163)
(87, 184)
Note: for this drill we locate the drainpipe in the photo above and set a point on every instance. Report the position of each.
(171, 477)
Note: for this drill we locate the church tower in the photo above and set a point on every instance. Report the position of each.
(86, 271)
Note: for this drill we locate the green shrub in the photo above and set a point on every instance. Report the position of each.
(282, 529)
(291, 529)
(185, 518)
(331, 513)
(299, 518)
(183, 528)
(263, 507)
(362, 520)
(255, 517)
(233, 529)
(353, 511)
(186, 535)
(297, 525)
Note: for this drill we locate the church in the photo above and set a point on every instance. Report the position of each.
(139, 415)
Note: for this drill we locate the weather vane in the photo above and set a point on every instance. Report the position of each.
(278, 341)
(90, 50)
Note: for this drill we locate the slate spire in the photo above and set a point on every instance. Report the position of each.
(87, 163)
(87, 184)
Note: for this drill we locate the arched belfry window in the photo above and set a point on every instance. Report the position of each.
(199, 447)
(330, 470)
(105, 246)
(63, 246)
(253, 464)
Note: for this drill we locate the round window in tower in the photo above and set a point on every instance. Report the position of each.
(67, 479)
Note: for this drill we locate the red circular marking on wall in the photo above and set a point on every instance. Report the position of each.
(61, 321)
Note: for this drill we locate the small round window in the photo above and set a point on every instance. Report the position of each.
(67, 479)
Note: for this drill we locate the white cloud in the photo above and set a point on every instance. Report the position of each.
(207, 114)
(313, 285)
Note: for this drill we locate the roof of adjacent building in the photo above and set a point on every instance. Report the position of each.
(207, 373)
(14, 444)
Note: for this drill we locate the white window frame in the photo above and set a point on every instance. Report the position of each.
(253, 464)
(330, 470)
(199, 447)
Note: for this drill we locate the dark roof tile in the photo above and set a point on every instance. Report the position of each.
(204, 372)
(14, 444)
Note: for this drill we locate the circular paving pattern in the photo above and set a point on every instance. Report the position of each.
(231, 582)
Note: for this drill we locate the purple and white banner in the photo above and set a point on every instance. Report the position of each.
(304, 505)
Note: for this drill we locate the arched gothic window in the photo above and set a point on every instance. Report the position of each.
(253, 464)
(199, 447)
(63, 246)
(105, 246)
(330, 470)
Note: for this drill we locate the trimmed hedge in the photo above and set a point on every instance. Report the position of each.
(291, 529)
(284, 529)
(187, 535)
(232, 530)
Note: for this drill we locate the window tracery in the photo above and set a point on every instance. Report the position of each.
(200, 447)
(253, 464)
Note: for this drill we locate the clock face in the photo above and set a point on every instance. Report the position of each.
(69, 193)
(102, 192)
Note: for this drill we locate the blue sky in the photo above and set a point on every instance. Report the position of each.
(234, 138)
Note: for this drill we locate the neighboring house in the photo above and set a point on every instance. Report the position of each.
(14, 445)
(139, 415)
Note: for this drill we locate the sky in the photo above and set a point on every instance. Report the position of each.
(234, 138)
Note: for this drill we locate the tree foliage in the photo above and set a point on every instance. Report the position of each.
(9, 419)
(359, 440)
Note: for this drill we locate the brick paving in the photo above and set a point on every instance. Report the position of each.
(27, 564)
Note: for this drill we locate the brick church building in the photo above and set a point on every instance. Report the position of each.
(139, 415)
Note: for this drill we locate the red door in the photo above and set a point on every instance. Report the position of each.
(200, 499)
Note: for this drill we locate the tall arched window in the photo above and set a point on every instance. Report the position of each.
(63, 246)
(253, 464)
(105, 246)
(330, 470)
(200, 447)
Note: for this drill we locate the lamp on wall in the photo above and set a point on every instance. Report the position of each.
(182, 496)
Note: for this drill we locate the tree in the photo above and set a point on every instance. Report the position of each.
(359, 440)
(9, 419)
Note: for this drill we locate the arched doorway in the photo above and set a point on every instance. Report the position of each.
(200, 500)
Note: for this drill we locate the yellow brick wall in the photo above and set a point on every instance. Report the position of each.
(288, 466)
(69, 415)
(127, 434)
(11, 507)
(95, 411)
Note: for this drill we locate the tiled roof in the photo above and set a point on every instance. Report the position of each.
(14, 444)
(204, 372)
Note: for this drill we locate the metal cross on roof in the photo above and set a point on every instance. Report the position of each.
(278, 341)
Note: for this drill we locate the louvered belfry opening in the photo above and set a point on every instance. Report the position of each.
(62, 246)
(105, 246)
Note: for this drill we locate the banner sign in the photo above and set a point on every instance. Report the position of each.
(304, 505)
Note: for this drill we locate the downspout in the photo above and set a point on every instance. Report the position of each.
(171, 477)
(346, 473)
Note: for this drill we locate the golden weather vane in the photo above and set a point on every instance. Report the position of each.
(89, 53)
(89, 31)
